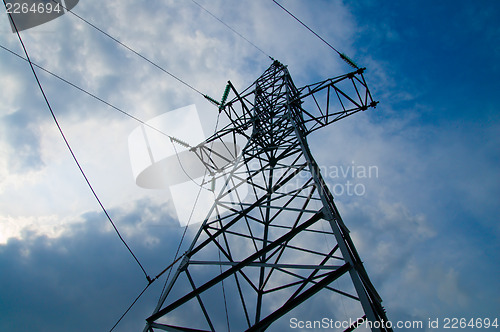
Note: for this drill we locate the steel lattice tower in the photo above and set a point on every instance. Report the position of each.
(284, 244)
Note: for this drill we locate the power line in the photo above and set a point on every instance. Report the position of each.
(85, 91)
(298, 20)
(233, 30)
(342, 55)
(69, 146)
(173, 139)
(131, 49)
(130, 306)
(144, 290)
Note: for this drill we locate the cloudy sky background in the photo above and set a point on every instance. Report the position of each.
(426, 227)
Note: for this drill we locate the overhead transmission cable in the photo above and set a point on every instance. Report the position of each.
(130, 306)
(131, 49)
(342, 55)
(69, 146)
(144, 290)
(233, 30)
(90, 94)
(151, 61)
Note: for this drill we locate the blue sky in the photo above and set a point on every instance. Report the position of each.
(426, 228)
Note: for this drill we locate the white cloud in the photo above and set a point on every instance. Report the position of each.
(14, 227)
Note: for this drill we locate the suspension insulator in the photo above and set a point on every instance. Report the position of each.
(178, 141)
(213, 101)
(212, 184)
(225, 94)
(348, 60)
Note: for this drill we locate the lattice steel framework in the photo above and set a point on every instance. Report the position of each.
(284, 246)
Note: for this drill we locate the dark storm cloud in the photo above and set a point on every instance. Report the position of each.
(85, 279)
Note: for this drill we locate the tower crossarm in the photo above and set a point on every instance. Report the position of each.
(317, 105)
(333, 99)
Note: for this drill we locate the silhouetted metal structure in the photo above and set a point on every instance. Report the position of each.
(284, 245)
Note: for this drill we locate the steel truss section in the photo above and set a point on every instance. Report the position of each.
(281, 245)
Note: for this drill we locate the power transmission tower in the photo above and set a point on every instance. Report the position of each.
(285, 244)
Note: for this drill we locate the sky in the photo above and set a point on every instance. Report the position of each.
(425, 225)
